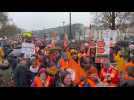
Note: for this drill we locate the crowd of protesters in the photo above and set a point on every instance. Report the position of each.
(54, 66)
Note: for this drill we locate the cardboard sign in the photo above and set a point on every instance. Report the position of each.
(28, 49)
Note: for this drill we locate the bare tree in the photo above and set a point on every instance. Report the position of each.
(6, 28)
(9, 30)
(3, 19)
(114, 20)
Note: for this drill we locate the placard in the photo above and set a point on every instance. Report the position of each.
(92, 44)
(101, 60)
(28, 49)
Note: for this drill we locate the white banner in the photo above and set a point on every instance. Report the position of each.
(28, 49)
(114, 35)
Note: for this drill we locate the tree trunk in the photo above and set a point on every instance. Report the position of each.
(113, 20)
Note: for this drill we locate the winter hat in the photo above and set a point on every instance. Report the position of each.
(42, 70)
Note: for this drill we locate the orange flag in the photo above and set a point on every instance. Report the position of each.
(79, 72)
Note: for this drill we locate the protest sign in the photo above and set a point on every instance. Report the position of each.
(28, 49)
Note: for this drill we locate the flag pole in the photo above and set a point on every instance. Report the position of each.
(70, 26)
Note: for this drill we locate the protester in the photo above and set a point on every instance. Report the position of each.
(91, 79)
(1, 55)
(129, 69)
(110, 75)
(115, 75)
(42, 79)
(64, 80)
(64, 61)
(84, 62)
(34, 70)
(74, 64)
(70, 67)
(120, 61)
(13, 61)
(22, 78)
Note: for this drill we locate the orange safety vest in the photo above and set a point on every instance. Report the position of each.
(126, 77)
(64, 64)
(92, 70)
(89, 81)
(38, 82)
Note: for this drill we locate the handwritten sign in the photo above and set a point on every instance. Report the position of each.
(28, 49)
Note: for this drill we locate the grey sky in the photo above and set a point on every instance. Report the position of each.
(41, 20)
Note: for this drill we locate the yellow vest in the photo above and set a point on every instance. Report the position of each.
(68, 55)
(1, 55)
(120, 62)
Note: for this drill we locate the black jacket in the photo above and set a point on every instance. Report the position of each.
(22, 76)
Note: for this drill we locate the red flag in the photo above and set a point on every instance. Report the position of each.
(65, 40)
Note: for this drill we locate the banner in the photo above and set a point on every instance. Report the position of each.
(106, 36)
(114, 35)
(28, 49)
(102, 47)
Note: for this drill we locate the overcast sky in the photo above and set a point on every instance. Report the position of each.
(41, 20)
